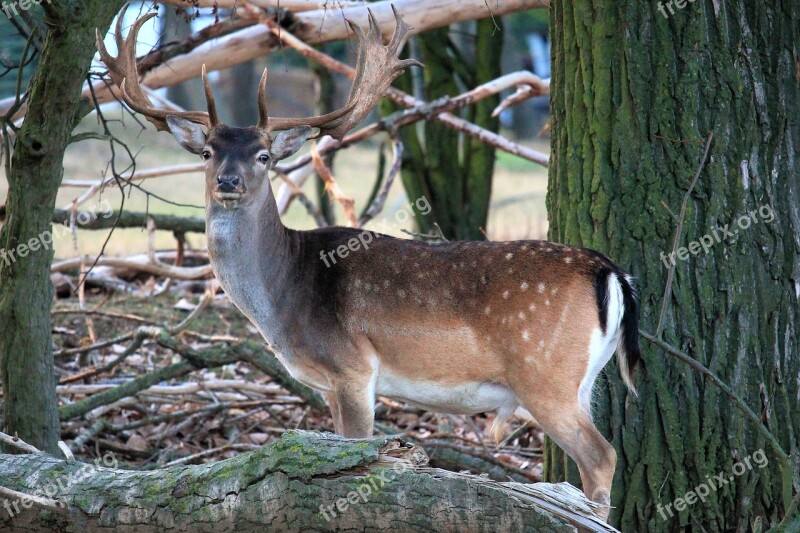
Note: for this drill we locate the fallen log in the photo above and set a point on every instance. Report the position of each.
(305, 481)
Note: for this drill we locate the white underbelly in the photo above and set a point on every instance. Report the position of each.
(461, 399)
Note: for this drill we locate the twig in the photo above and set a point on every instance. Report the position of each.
(784, 458)
(333, 188)
(90, 433)
(16, 442)
(678, 230)
(213, 451)
(377, 205)
(40, 501)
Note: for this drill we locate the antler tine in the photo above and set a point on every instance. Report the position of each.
(211, 105)
(124, 73)
(263, 116)
(400, 35)
(377, 66)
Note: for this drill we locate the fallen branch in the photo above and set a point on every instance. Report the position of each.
(302, 475)
(17, 443)
(127, 219)
(155, 269)
(313, 27)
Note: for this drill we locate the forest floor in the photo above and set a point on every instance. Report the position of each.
(216, 413)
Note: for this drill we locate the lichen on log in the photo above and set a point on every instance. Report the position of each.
(301, 482)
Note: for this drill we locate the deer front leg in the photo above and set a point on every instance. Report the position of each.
(336, 414)
(354, 410)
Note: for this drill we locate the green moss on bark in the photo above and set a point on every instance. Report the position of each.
(634, 95)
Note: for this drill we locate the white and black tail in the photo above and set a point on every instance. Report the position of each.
(628, 353)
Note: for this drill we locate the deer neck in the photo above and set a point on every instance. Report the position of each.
(251, 254)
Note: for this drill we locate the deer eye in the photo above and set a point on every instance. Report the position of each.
(206, 155)
(263, 159)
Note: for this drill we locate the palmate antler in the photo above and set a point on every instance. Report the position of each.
(123, 68)
(377, 66)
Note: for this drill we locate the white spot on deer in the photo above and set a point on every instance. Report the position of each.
(521, 315)
(540, 345)
(509, 256)
(357, 283)
(524, 286)
(540, 287)
(554, 290)
(401, 293)
(547, 302)
(529, 359)
(505, 295)
(568, 260)
(532, 307)
(526, 336)
(386, 283)
(487, 311)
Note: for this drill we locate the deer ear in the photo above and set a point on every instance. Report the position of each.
(288, 142)
(188, 134)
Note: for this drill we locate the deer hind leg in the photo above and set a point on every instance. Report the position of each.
(573, 430)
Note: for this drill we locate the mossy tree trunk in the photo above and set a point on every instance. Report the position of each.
(302, 482)
(635, 93)
(26, 361)
(453, 171)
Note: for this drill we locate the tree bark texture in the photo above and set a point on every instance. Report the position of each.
(26, 363)
(284, 486)
(635, 93)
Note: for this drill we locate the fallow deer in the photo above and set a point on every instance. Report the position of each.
(463, 328)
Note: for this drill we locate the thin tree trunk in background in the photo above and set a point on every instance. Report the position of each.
(176, 26)
(635, 93)
(326, 100)
(26, 294)
(452, 171)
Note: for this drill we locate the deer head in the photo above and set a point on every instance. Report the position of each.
(237, 159)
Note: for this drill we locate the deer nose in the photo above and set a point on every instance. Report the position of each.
(227, 183)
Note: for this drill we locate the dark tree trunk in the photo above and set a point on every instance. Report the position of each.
(453, 171)
(635, 93)
(26, 362)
